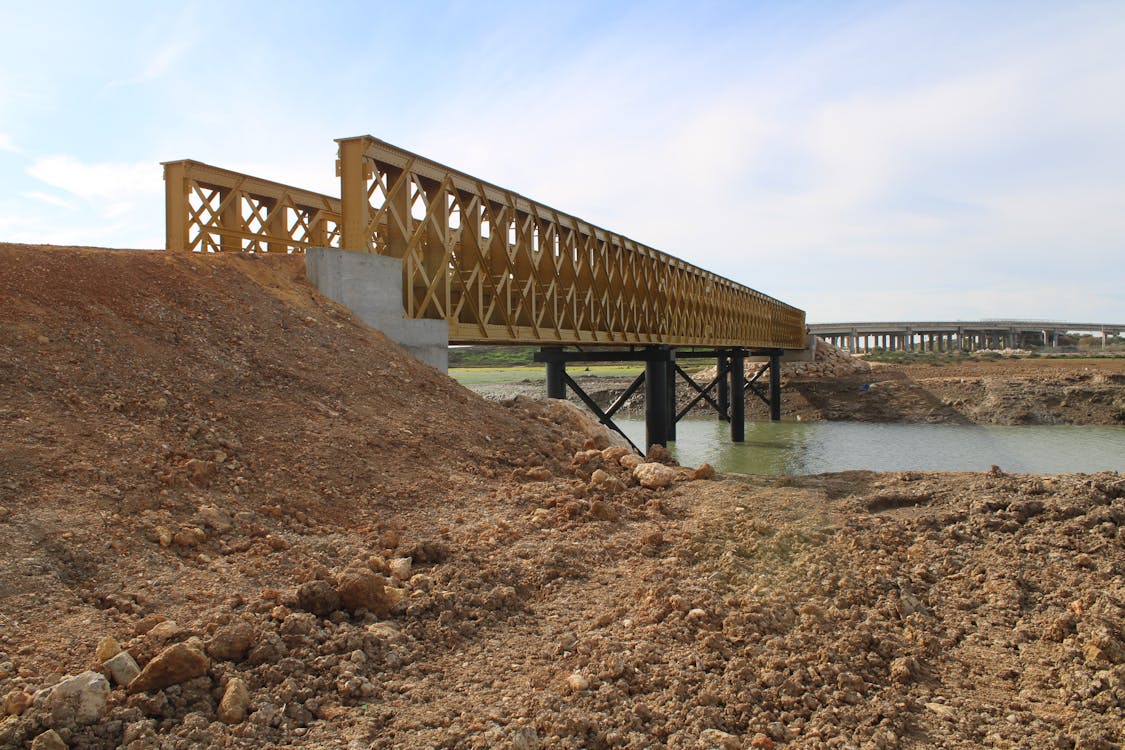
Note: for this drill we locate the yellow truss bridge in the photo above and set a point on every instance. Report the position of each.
(499, 268)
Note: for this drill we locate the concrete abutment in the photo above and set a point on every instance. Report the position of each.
(371, 287)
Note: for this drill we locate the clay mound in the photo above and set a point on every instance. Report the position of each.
(227, 373)
(137, 388)
(828, 362)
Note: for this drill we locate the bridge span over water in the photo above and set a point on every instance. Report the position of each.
(960, 335)
(490, 266)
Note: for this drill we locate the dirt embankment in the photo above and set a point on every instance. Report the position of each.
(304, 537)
(997, 392)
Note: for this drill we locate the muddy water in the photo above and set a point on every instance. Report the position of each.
(787, 448)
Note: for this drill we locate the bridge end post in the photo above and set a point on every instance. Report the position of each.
(738, 395)
(176, 189)
(354, 174)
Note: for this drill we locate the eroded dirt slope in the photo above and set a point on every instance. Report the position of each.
(137, 388)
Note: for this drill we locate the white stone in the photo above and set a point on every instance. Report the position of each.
(123, 668)
(654, 475)
(81, 698)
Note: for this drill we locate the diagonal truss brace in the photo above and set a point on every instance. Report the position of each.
(604, 417)
(704, 393)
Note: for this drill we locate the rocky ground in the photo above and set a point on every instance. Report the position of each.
(232, 516)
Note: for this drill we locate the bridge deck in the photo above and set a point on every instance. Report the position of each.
(498, 267)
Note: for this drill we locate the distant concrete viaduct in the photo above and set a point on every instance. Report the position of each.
(955, 336)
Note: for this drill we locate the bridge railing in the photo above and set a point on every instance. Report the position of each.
(499, 266)
(495, 265)
(209, 209)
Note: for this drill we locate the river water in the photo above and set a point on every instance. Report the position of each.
(787, 448)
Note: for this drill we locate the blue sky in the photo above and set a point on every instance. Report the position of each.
(862, 161)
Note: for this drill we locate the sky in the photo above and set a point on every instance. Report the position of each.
(862, 161)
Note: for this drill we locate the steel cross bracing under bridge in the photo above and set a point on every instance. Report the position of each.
(496, 266)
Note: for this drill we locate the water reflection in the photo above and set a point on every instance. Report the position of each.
(812, 447)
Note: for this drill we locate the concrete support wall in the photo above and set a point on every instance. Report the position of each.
(371, 287)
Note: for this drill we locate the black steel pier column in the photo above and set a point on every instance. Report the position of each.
(775, 387)
(672, 395)
(658, 417)
(737, 395)
(556, 372)
(724, 385)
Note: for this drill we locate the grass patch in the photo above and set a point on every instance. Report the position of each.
(492, 356)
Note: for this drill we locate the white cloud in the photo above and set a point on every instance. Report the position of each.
(120, 204)
(106, 184)
(158, 64)
(54, 200)
(6, 144)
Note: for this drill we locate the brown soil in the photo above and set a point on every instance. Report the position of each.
(1009, 391)
(207, 441)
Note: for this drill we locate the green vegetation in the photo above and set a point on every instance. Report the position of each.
(491, 356)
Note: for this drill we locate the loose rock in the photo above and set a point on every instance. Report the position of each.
(173, 665)
(400, 568)
(79, 700)
(361, 588)
(49, 740)
(705, 471)
(165, 631)
(231, 643)
(318, 597)
(715, 738)
(235, 702)
(16, 702)
(123, 668)
(107, 648)
(654, 475)
(215, 518)
(630, 461)
(577, 682)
